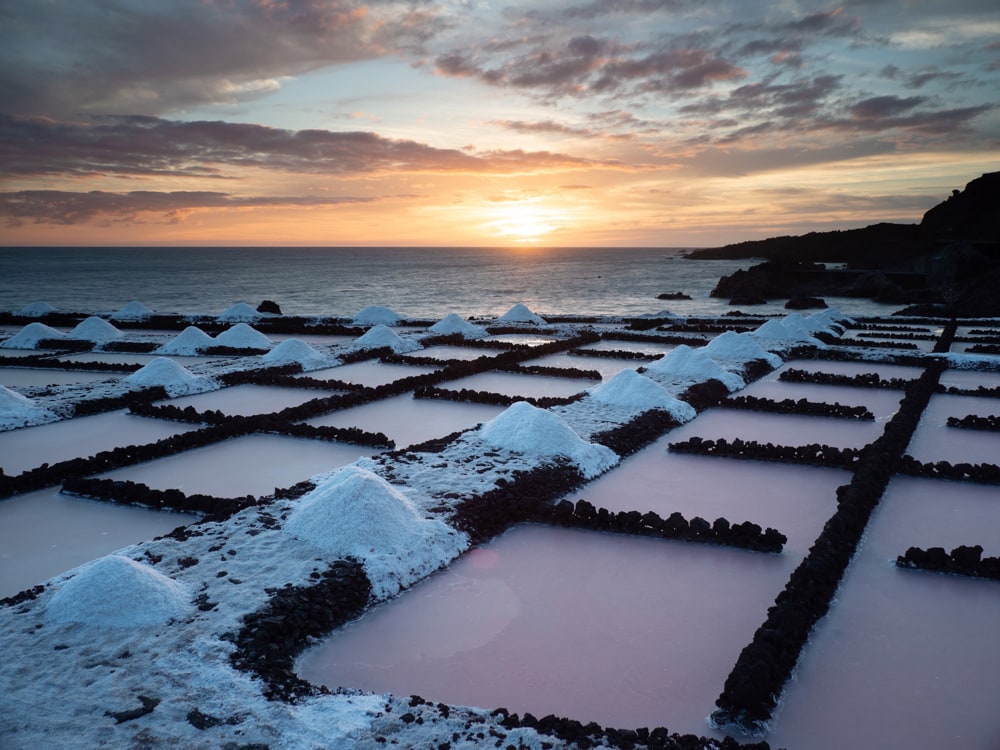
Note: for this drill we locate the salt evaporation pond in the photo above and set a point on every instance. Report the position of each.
(795, 500)
(250, 465)
(370, 374)
(115, 358)
(905, 659)
(970, 379)
(45, 533)
(525, 339)
(407, 420)
(608, 367)
(782, 429)
(29, 447)
(31, 377)
(935, 441)
(600, 627)
(515, 384)
(882, 402)
(640, 347)
(246, 400)
(443, 352)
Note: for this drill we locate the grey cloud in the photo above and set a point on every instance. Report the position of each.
(884, 106)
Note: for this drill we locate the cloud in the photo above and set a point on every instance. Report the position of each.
(151, 146)
(64, 57)
(64, 207)
(880, 107)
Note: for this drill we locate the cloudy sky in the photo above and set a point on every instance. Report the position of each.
(476, 122)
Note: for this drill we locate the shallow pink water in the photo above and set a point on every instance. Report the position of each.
(513, 384)
(244, 400)
(935, 441)
(369, 373)
(624, 631)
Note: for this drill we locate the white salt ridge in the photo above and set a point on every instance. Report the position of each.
(241, 312)
(29, 336)
(738, 349)
(684, 366)
(358, 514)
(520, 313)
(243, 336)
(296, 351)
(188, 342)
(776, 333)
(374, 315)
(95, 329)
(134, 310)
(832, 315)
(36, 309)
(382, 336)
(537, 433)
(17, 410)
(116, 592)
(175, 378)
(454, 323)
(629, 389)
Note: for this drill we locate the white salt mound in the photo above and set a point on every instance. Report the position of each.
(95, 329)
(241, 312)
(117, 592)
(798, 322)
(374, 315)
(134, 310)
(832, 315)
(29, 336)
(685, 366)
(357, 513)
(453, 323)
(732, 347)
(381, 336)
(775, 330)
(631, 390)
(36, 309)
(243, 336)
(177, 379)
(17, 410)
(519, 313)
(295, 351)
(538, 433)
(189, 342)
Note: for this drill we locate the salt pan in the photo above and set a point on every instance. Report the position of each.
(376, 315)
(29, 336)
(453, 323)
(116, 592)
(190, 341)
(95, 329)
(382, 336)
(520, 313)
(630, 389)
(538, 433)
(243, 336)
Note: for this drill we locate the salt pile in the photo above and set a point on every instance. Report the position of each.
(176, 379)
(117, 592)
(190, 341)
(243, 336)
(777, 331)
(241, 312)
(356, 513)
(520, 313)
(683, 367)
(738, 349)
(537, 433)
(381, 336)
(29, 336)
(374, 315)
(17, 410)
(296, 351)
(832, 315)
(95, 329)
(134, 310)
(631, 390)
(453, 323)
(36, 309)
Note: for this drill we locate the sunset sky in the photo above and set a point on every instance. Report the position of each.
(468, 122)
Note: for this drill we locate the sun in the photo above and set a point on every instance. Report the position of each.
(522, 222)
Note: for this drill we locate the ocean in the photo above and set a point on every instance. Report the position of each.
(425, 283)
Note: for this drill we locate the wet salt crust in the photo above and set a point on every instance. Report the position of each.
(716, 596)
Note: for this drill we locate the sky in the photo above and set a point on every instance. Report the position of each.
(661, 123)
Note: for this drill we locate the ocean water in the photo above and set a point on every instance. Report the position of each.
(416, 282)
